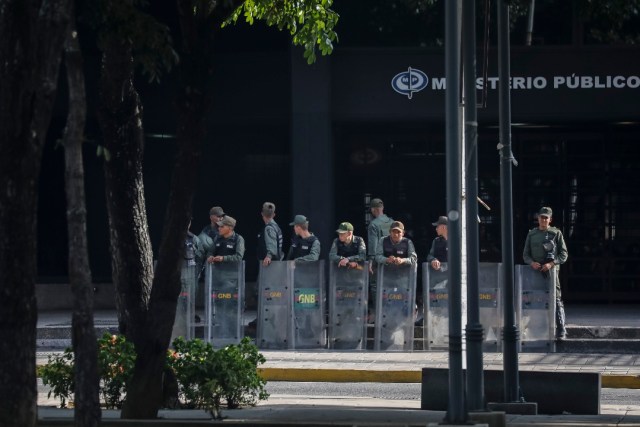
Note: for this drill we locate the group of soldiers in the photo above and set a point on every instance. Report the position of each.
(544, 249)
(386, 243)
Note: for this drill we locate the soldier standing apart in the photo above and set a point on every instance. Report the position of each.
(304, 245)
(228, 246)
(439, 252)
(544, 251)
(396, 249)
(270, 240)
(378, 228)
(347, 250)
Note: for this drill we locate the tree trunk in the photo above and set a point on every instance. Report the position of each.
(144, 397)
(120, 117)
(192, 105)
(87, 400)
(121, 123)
(31, 39)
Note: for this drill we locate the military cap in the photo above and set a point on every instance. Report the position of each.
(299, 220)
(216, 210)
(227, 220)
(442, 220)
(397, 225)
(376, 203)
(545, 211)
(344, 227)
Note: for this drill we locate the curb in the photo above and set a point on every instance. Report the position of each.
(356, 375)
(339, 375)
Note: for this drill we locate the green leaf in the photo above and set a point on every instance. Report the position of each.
(311, 23)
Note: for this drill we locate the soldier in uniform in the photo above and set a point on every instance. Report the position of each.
(544, 251)
(270, 240)
(210, 231)
(350, 252)
(347, 250)
(227, 252)
(269, 246)
(378, 227)
(396, 249)
(439, 252)
(304, 245)
(228, 246)
(193, 260)
(193, 250)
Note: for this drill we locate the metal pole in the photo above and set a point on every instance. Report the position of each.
(529, 39)
(474, 332)
(510, 331)
(456, 412)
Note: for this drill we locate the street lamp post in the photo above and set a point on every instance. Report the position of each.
(456, 412)
(510, 330)
(474, 331)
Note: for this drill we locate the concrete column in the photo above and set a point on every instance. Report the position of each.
(312, 146)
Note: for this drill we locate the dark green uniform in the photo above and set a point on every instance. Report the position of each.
(545, 246)
(378, 228)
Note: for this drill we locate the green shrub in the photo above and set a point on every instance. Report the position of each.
(116, 360)
(206, 377)
(58, 374)
(240, 381)
(193, 363)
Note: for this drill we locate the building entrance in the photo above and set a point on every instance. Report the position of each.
(586, 174)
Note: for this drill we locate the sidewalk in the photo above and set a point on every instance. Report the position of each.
(619, 370)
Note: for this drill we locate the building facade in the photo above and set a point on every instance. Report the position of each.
(321, 140)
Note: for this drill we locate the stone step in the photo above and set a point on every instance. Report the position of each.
(598, 345)
(603, 332)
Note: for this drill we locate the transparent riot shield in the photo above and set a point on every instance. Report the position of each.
(435, 291)
(348, 295)
(490, 304)
(183, 325)
(436, 294)
(275, 311)
(308, 305)
(224, 303)
(396, 299)
(536, 309)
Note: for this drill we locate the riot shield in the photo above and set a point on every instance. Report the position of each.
(348, 289)
(395, 302)
(308, 305)
(536, 310)
(435, 291)
(490, 283)
(275, 311)
(224, 304)
(183, 325)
